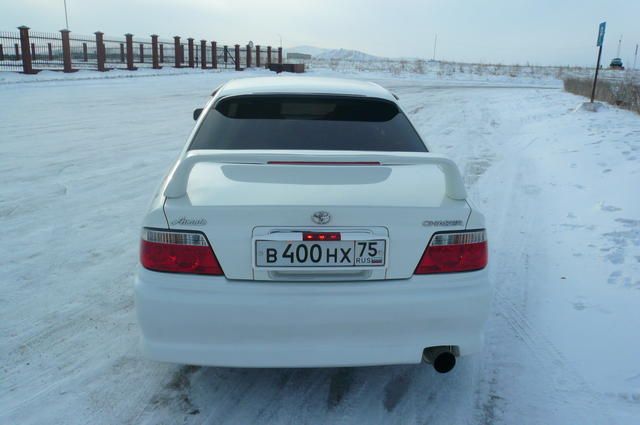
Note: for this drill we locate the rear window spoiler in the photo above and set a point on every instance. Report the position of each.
(179, 175)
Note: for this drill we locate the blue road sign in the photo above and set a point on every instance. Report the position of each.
(603, 25)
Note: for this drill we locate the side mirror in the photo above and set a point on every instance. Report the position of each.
(196, 113)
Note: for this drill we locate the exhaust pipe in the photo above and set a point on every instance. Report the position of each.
(444, 362)
(443, 358)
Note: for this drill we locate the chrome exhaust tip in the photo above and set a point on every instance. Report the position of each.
(443, 357)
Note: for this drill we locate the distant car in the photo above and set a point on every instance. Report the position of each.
(616, 63)
(306, 224)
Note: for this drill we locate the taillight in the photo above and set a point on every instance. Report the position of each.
(454, 252)
(178, 252)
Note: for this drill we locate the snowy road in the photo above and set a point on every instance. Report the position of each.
(78, 162)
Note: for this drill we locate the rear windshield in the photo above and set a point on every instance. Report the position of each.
(309, 122)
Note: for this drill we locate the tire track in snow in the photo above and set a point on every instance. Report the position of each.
(551, 362)
(552, 383)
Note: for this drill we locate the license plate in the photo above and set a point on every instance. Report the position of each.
(366, 253)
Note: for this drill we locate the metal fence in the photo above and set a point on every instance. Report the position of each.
(84, 54)
(46, 50)
(10, 57)
(114, 52)
(30, 52)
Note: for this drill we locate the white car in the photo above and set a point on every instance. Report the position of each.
(306, 224)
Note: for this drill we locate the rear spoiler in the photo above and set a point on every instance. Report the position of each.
(179, 175)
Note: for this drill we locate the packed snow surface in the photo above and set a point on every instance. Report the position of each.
(79, 160)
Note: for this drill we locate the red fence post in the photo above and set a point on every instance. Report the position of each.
(190, 47)
(26, 50)
(280, 55)
(237, 59)
(129, 43)
(203, 54)
(161, 53)
(248, 56)
(66, 51)
(154, 51)
(100, 51)
(268, 56)
(176, 47)
(214, 55)
(258, 56)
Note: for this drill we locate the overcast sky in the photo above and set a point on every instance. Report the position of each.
(501, 31)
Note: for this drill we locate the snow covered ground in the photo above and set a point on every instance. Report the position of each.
(559, 187)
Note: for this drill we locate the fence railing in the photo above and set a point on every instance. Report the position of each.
(30, 52)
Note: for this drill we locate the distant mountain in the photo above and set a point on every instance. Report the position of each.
(328, 54)
(307, 50)
(346, 54)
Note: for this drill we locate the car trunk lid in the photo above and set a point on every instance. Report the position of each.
(236, 203)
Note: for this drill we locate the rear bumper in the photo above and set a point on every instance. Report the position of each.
(212, 321)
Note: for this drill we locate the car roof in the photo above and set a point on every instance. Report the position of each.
(304, 85)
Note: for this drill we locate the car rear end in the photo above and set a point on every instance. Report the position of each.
(289, 257)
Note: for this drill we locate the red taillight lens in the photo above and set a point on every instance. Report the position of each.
(177, 252)
(454, 252)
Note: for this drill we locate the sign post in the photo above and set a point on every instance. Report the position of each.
(599, 43)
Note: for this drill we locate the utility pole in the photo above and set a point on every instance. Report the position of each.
(619, 44)
(435, 43)
(66, 17)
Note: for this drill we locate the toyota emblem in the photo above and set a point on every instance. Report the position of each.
(321, 217)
